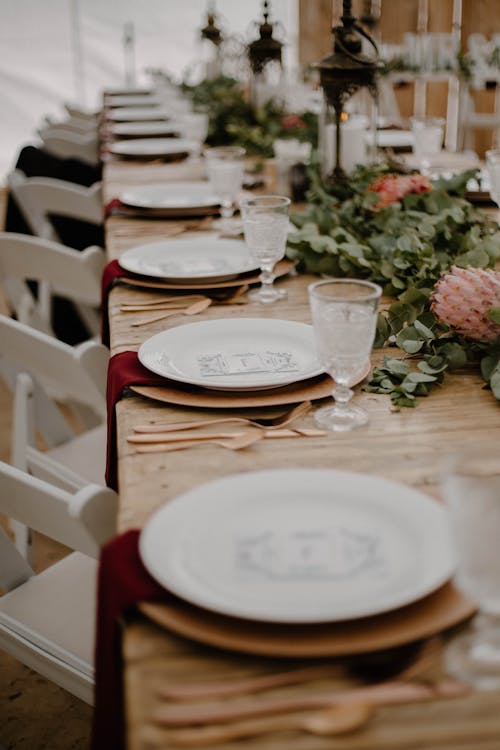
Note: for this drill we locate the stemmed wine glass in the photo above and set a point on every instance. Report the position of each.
(493, 170)
(471, 490)
(265, 225)
(344, 313)
(225, 168)
(195, 126)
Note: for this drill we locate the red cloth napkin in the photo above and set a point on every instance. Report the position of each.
(112, 206)
(124, 369)
(123, 581)
(112, 271)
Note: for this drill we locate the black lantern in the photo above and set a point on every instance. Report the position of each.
(346, 71)
(211, 32)
(264, 55)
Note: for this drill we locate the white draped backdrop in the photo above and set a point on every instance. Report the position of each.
(54, 51)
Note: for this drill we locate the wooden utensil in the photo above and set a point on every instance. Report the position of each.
(385, 693)
(194, 309)
(235, 443)
(176, 437)
(162, 301)
(269, 423)
(328, 722)
(425, 657)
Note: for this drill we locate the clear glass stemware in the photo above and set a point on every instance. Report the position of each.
(265, 225)
(493, 170)
(428, 139)
(344, 314)
(471, 490)
(225, 167)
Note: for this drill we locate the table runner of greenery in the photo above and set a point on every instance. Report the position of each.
(404, 233)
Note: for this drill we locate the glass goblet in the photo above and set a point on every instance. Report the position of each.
(225, 167)
(344, 314)
(195, 126)
(265, 225)
(471, 490)
(428, 139)
(493, 171)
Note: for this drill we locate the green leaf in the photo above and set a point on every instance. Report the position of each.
(409, 340)
(494, 314)
(495, 381)
(423, 330)
(455, 355)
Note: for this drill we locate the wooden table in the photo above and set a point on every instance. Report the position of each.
(408, 446)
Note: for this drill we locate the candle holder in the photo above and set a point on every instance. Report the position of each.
(264, 55)
(343, 73)
(211, 38)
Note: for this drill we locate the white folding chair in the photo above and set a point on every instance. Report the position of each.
(32, 365)
(38, 197)
(58, 270)
(81, 125)
(71, 145)
(47, 621)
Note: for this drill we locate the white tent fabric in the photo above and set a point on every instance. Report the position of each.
(69, 50)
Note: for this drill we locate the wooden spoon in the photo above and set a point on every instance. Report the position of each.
(241, 440)
(194, 309)
(331, 721)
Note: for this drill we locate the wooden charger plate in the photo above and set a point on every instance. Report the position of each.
(281, 269)
(189, 395)
(435, 613)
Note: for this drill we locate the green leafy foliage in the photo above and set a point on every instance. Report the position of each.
(405, 248)
(234, 121)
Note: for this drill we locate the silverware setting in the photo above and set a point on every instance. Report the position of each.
(194, 309)
(229, 715)
(265, 423)
(175, 437)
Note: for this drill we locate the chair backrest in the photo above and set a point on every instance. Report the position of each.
(71, 274)
(75, 110)
(71, 145)
(79, 372)
(38, 197)
(73, 124)
(58, 270)
(83, 520)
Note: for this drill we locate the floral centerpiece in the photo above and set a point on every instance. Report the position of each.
(428, 248)
(234, 121)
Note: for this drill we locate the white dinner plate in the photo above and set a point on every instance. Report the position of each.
(131, 114)
(239, 354)
(152, 147)
(127, 91)
(146, 128)
(200, 259)
(139, 100)
(176, 196)
(299, 545)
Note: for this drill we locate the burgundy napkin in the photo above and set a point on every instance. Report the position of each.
(122, 582)
(112, 271)
(124, 369)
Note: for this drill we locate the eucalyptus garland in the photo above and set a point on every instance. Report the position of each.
(351, 229)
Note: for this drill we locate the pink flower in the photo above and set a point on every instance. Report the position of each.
(393, 187)
(462, 298)
(292, 122)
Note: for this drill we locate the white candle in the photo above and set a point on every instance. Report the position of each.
(353, 143)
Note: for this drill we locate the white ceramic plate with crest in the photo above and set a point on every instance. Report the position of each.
(200, 259)
(171, 196)
(299, 545)
(239, 354)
